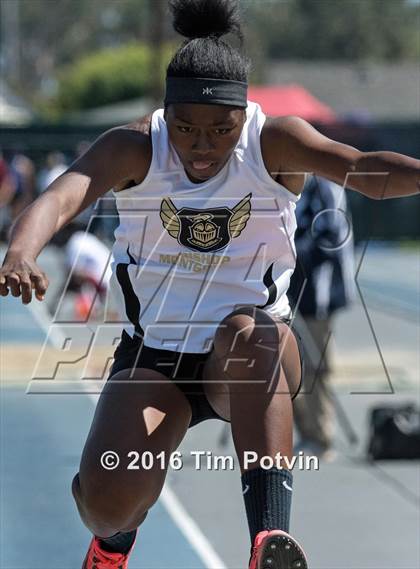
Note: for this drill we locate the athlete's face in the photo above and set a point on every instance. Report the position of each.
(204, 136)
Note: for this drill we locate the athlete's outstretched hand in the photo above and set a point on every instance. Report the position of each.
(21, 274)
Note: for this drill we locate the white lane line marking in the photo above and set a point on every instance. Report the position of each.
(43, 319)
(190, 529)
(170, 501)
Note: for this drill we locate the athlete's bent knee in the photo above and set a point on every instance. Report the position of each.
(245, 332)
(121, 508)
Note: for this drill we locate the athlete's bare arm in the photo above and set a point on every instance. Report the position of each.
(295, 146)
(119, 158)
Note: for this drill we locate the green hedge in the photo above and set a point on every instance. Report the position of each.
(105, 77)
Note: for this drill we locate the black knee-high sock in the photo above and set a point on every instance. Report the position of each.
(118, 543)
(268, 499)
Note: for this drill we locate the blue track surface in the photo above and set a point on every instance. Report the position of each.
(18, 323)
(42, 437)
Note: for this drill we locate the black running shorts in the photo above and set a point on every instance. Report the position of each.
(184, 369)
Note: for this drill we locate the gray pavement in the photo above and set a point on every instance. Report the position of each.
(349, 514)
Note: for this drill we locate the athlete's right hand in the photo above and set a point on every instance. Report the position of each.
(21, 274)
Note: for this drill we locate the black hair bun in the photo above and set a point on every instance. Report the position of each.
(204, 18)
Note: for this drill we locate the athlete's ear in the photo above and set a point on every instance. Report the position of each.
(165, 112)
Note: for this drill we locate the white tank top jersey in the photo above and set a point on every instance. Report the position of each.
(187, 254)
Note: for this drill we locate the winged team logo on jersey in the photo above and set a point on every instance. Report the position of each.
(205, 230)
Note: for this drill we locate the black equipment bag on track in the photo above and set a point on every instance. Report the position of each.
(394, 432)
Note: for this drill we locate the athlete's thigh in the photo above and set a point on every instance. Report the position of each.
(138, 411)
(216, 386)
(289, 356)
(216, 380)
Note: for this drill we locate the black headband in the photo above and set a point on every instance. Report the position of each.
(206, 91)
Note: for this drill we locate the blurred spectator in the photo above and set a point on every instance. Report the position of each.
(87, 260)
(7, 184)
(55, 165)
(7, 191)
(324, 277)
(23, 169)
(17, 189)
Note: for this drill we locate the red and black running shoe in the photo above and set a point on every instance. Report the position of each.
(97, 558)
(277, 549)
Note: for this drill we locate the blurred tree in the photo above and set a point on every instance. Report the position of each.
(108, 76)
(157, 38)
(346, 30)
(104, 77)
(54, 33)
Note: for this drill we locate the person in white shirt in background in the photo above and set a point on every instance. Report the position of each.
(88, 259)
(87, 275)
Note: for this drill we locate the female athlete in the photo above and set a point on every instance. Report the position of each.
(206, 190)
